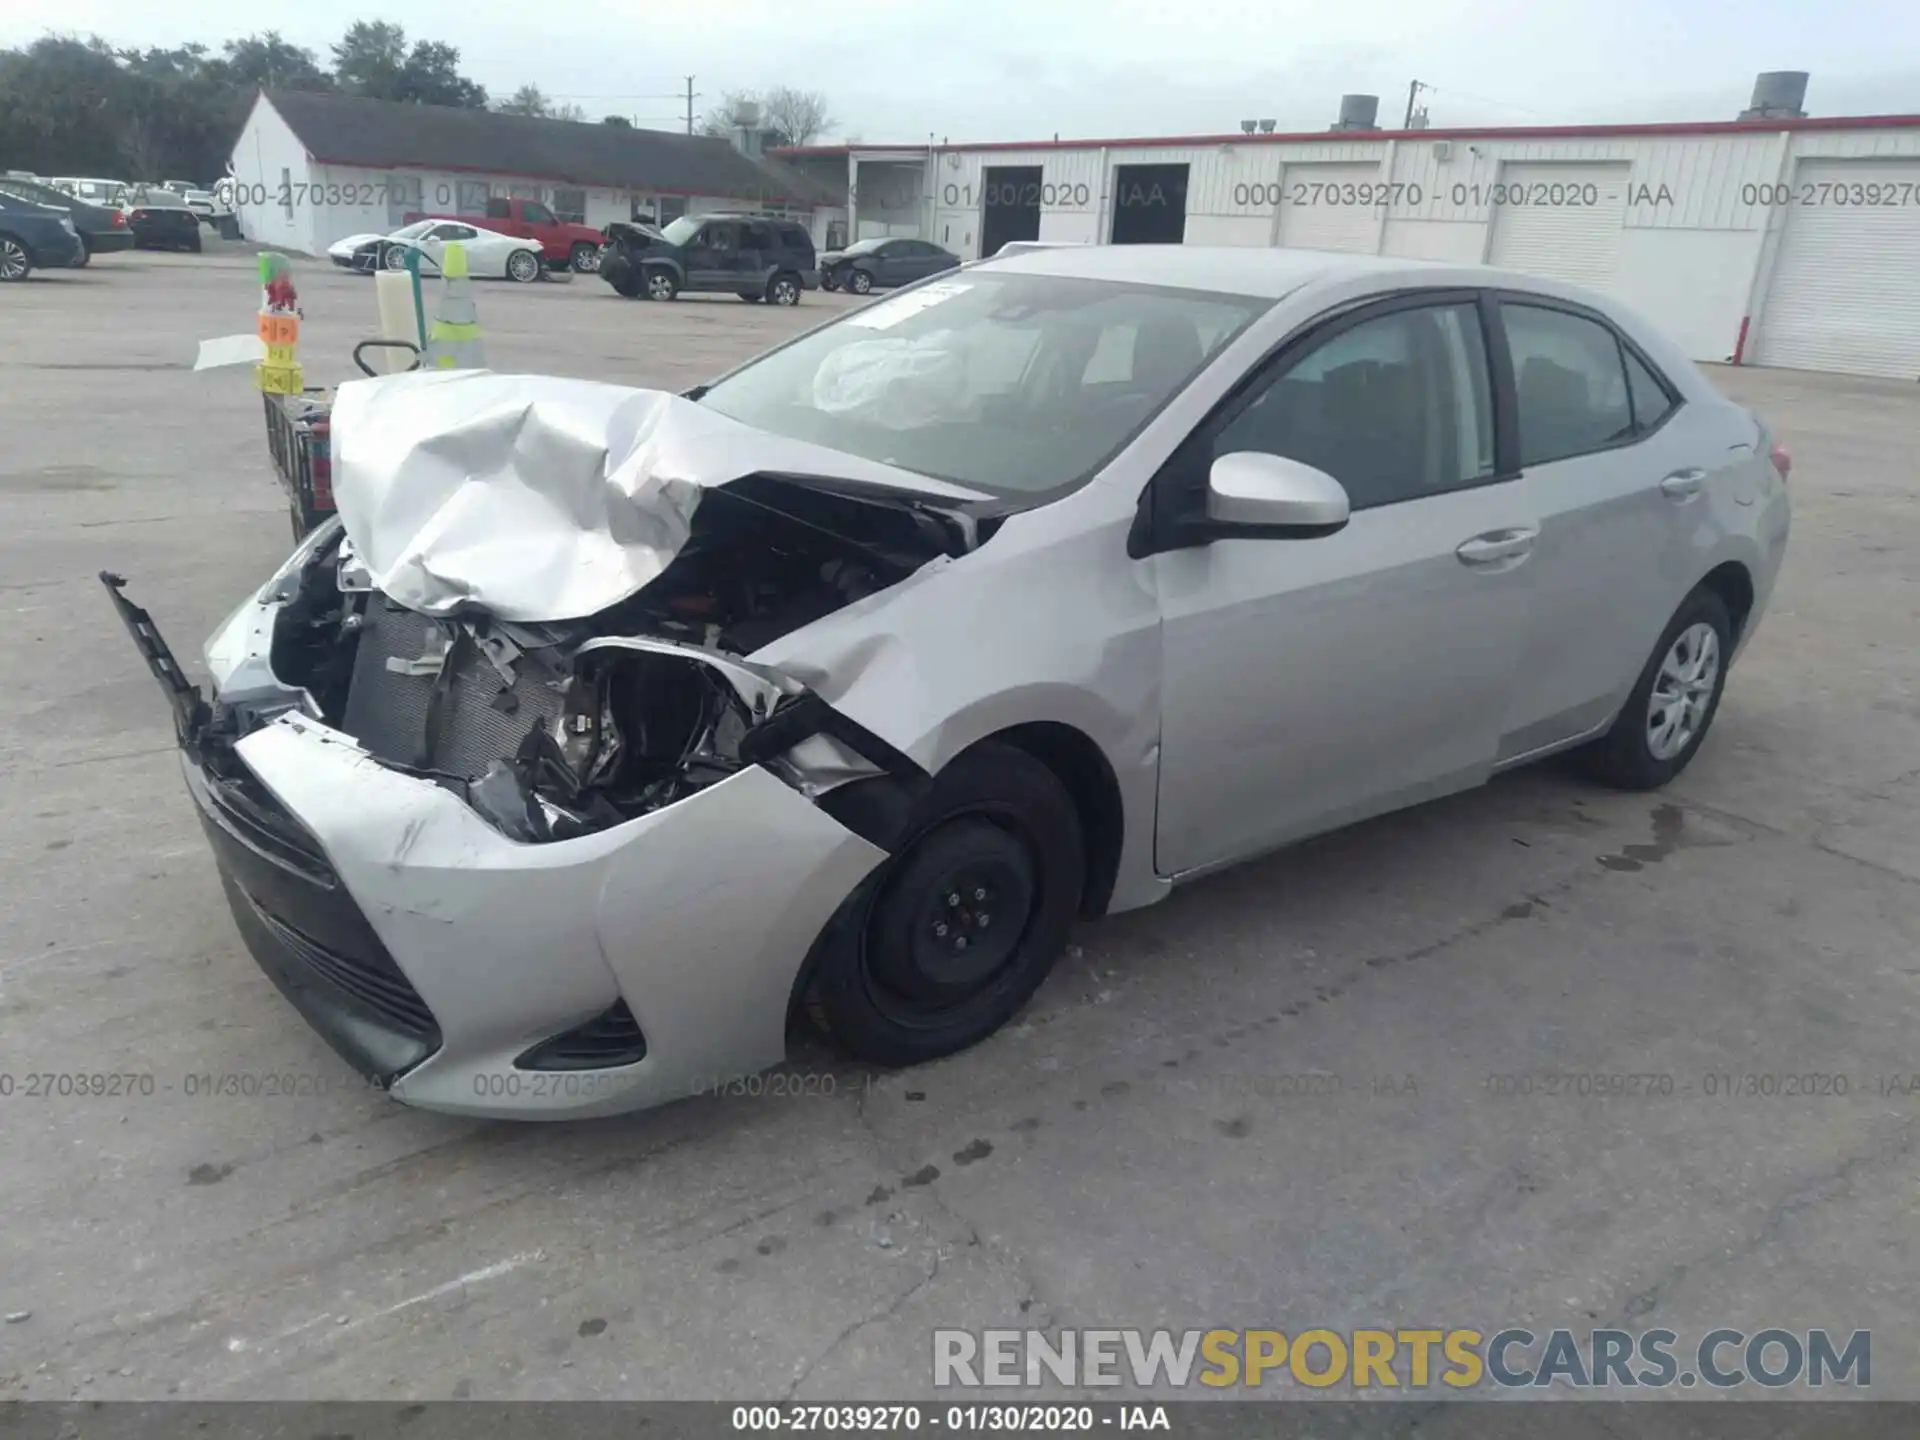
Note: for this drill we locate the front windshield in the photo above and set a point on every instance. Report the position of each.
(1012, 384)
(413, 231)
(679, 232)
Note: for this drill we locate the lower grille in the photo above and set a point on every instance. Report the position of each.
(481, 719)
(381, 989)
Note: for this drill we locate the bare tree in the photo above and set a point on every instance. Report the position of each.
(568, 111)
(799, 117)
(789, 116)
(736, 108)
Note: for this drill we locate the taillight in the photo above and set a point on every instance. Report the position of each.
(120, 219)
(1782, 461)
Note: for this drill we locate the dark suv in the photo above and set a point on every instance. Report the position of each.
(757, 257)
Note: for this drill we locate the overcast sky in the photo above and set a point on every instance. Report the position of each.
(1026, 69)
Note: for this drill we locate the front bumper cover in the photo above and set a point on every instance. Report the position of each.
(433, 952)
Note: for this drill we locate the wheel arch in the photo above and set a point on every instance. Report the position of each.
(1733, 583)
(1083, 768)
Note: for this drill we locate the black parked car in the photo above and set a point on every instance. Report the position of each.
(33, 235)
(877, 264)
(754, 256)
(102, 228)
(160, 220)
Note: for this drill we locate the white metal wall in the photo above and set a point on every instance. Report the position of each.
(273, 178)
(1686, 233)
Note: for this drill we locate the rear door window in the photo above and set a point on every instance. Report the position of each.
(1571, 381)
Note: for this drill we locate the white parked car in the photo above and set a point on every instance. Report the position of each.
(94, 191)
(490, 255)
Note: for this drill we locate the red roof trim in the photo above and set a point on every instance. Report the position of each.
(1488, 132)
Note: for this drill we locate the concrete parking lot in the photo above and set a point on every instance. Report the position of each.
(1141, 1149)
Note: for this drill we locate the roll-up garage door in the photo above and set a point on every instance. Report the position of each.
(1845, 293)
(1561, 221)
(1320, 207)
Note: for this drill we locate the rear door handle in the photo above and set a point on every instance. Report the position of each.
(1497, 547)
(1683, 484)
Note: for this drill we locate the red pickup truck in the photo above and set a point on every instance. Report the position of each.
(562, 243)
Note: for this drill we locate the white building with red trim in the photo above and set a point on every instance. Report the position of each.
(1774, 239)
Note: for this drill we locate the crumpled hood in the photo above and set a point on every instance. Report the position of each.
(540, 498)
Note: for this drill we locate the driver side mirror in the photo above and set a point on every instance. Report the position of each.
(1254, 495)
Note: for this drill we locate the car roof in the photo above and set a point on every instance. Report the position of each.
(1226, 269)
(1274, 272)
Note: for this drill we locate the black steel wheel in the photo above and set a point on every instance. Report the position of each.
(951, 937)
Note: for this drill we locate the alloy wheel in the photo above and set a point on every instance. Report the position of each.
(1682, 691)
(14, 264)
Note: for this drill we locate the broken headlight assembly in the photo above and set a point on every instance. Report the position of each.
(638, 729)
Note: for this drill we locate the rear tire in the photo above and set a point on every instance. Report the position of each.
(784, 289)
(584, 258)
(951, 937)
(750, 297)
(194, 245)
(86, 255)
(1665, 719)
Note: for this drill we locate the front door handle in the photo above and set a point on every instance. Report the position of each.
(1683, 484)
(1496, 547)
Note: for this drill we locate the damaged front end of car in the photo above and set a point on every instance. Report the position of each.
(555, 730)
(465, 842)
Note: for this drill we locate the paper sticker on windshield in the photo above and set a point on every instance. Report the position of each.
(894, 309)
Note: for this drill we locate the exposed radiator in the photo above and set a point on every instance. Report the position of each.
(387, 711)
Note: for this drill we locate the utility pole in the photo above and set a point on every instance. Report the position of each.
(1413, 93)
(691, 97)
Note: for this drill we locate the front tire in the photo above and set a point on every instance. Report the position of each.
(394, 257)
(1665, 719)
(584, 258)
(86, 256)
(860, 282)
(661, 284)
(523, 267)
(951, 937)
(194, 246)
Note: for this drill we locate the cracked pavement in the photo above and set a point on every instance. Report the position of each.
(1290, 1096)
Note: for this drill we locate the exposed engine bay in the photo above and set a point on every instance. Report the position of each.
(560, 729)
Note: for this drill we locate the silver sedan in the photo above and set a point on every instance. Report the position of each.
(609, 734)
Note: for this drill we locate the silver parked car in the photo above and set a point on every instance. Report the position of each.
(610, 732)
